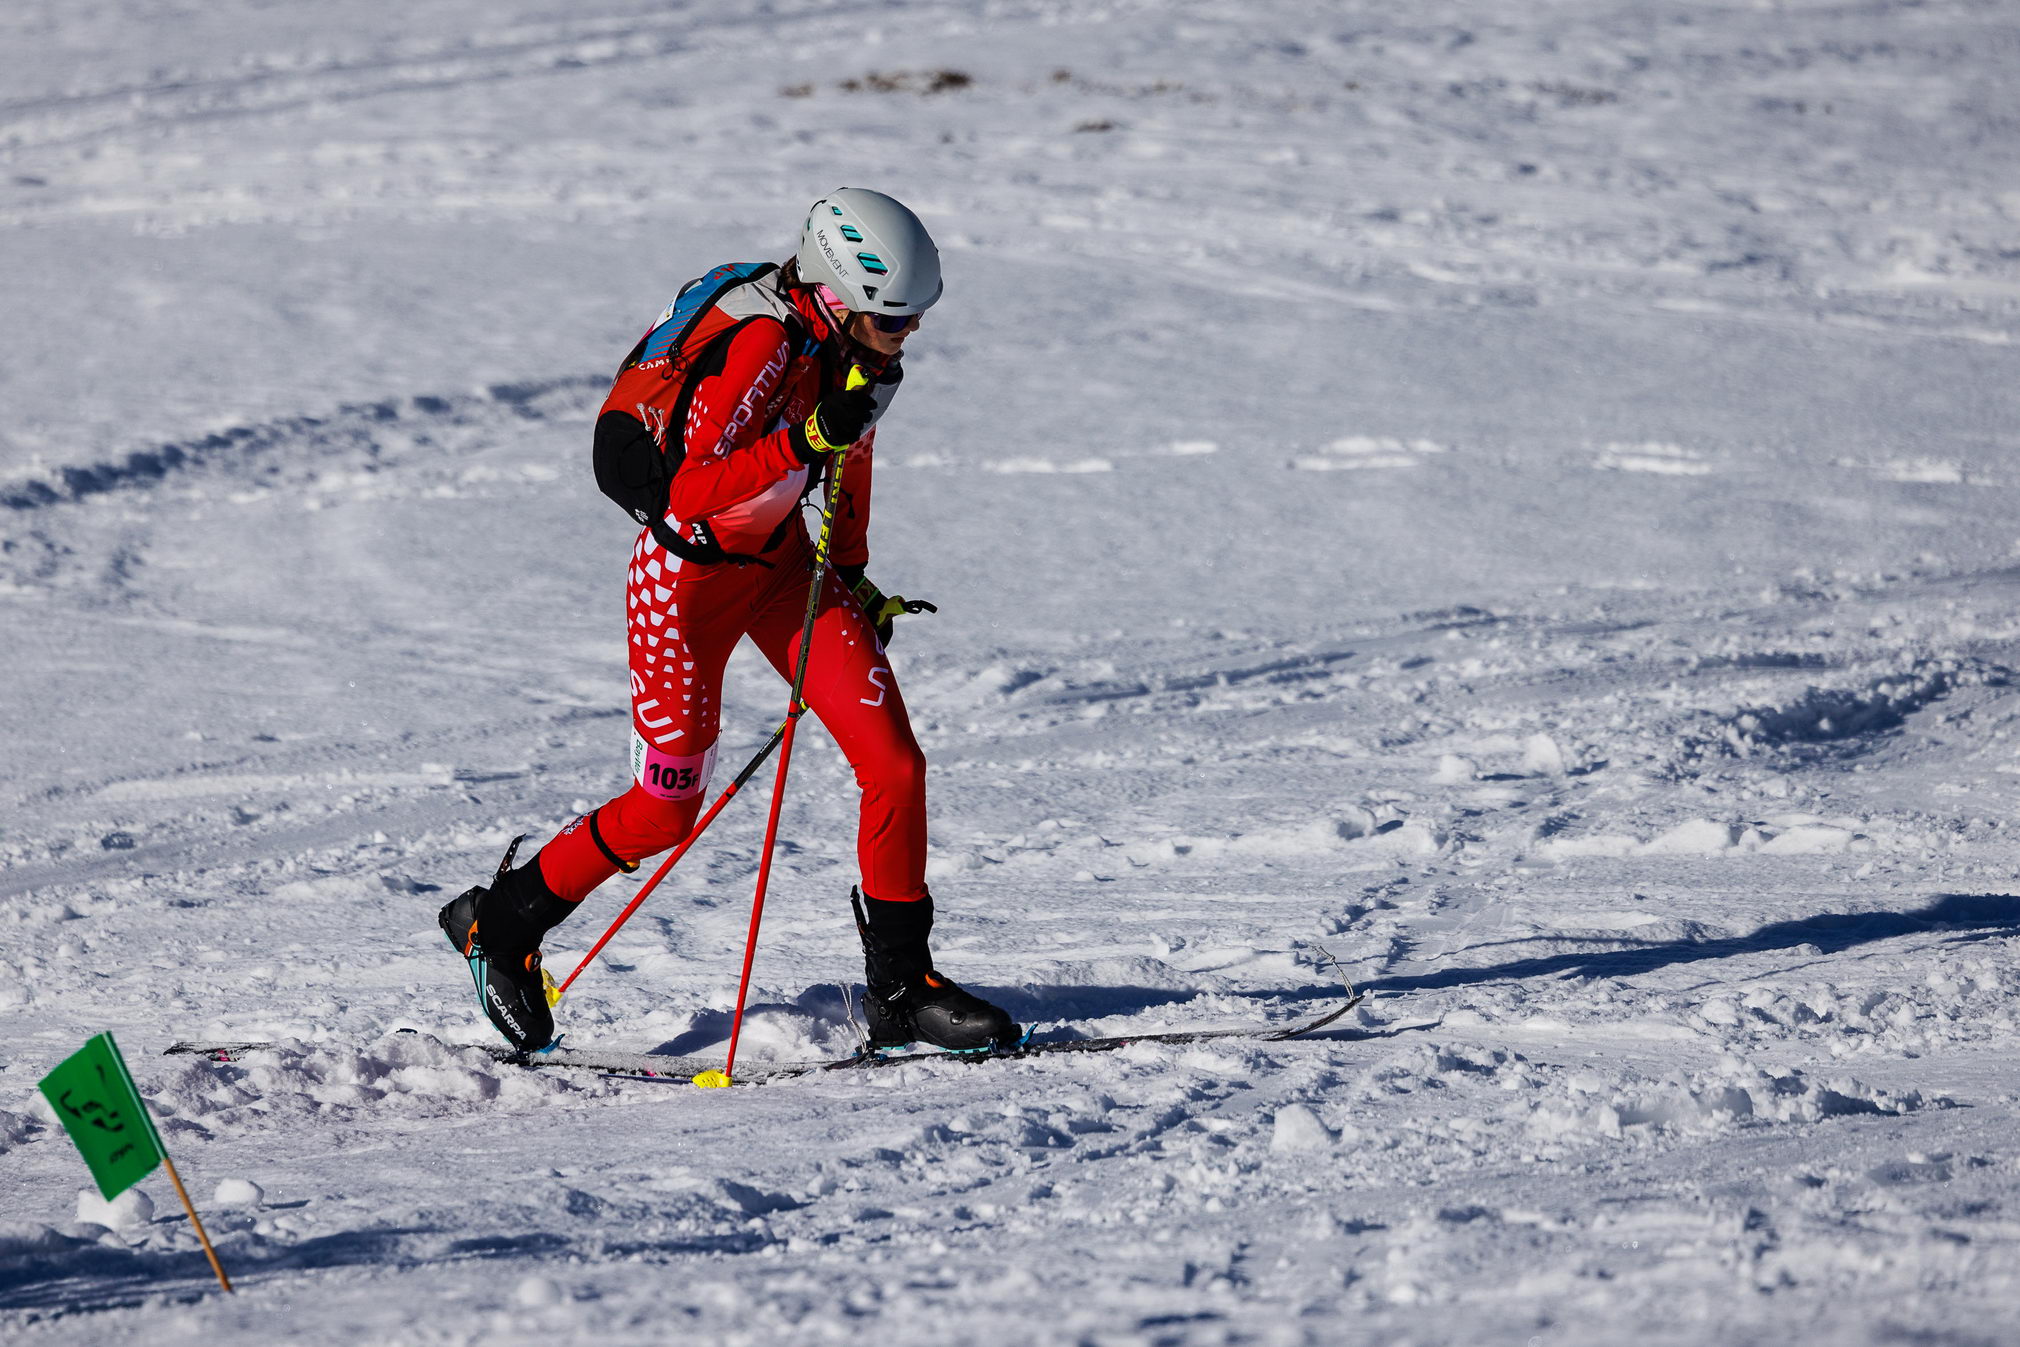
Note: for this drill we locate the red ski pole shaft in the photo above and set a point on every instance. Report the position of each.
(757, 902)
(694, 833)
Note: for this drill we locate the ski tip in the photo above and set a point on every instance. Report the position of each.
(712, 1080)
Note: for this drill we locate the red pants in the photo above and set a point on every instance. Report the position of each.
(685, 619)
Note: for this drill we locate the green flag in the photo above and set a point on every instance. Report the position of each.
(94, 1096)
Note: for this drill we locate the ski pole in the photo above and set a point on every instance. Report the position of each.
(795, 708)
(701, 825)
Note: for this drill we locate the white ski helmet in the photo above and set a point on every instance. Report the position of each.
(871, 251)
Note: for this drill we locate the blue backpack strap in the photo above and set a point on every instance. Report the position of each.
(696, 298)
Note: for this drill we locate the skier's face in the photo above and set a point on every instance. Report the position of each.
(864, 331)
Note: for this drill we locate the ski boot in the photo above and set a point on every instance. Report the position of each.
(906, 1000)
(498, 931)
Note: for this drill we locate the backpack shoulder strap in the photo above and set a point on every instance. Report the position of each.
(667, 337)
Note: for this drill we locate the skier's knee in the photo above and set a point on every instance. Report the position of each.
(899, 775)
(640, 824)
(663, 830)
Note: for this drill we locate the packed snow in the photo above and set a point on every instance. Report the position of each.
(1516, 499)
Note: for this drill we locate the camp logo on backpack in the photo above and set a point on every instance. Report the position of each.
(638, 432)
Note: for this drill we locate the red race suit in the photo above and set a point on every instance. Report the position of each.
(741, 484)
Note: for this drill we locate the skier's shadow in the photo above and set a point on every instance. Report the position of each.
(1975, 916)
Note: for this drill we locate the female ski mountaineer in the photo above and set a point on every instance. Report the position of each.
(729, 412)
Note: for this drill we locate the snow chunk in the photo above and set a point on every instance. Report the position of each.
(131, 1208)
(1299, 1129)
(1541, 756)
(536, 1293)
(238, 1193)
(1454, 770)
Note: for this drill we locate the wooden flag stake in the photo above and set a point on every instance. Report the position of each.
(202, 1237)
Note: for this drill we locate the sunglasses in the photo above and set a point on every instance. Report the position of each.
(891, 322)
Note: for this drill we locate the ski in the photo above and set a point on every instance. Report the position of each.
(662, 1068)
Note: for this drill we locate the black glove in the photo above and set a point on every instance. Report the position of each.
(876, 606)
(838, 421)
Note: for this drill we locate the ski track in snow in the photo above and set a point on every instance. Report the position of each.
(1516, 500)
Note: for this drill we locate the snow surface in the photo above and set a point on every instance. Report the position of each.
(1520, 497)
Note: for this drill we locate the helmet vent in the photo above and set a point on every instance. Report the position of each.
(873, 264)
(852, 234)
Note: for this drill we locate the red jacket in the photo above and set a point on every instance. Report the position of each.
(740, 472)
